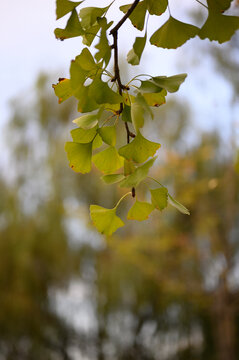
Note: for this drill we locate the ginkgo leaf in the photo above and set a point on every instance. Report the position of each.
(155, 99)
(156, 7)
(178, 205)
(87, 121)
(112, 178)
(63, 89)
(103, 47)
(126, 114)
(105, 220)
(86, 103)
(137, 116)
(139, 150)
(138, 15)
(79, 156)
(169, 83)
(102, 94)
(129, 167)
(89, 15)
(219, 5)
(173, 34)
(108, 134)
(159, 198)
(134, 55)
(73, 28)
(140, 211)
(219, 27)
(97, 142)
(83, 136)
(108, 160)
(63, 7)
(138, 175)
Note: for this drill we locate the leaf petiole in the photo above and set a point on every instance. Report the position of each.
(124, 196)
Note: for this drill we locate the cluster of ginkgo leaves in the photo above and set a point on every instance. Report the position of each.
(104, 101)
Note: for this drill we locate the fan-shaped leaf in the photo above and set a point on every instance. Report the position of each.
(63, 89)
(83, 136)
(219, 27)
(63, 7)
(105, 220)
(87, 121)
(134, 55)
(156, 7)
(138, 15)
(108, 134)
(173, 34)
(159, 198)
(79, 156)
(138, 175)
(140, 211)
(112, 178)
(108, 160)
(139, 150)
(73, 28)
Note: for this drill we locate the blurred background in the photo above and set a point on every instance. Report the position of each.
(163, 289)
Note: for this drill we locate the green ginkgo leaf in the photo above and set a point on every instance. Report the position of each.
(83, 136)
(63, 90)
(173, 34)
(112, 178)
(79, 156)
(155, 99)
(169, 83)
(102, 94)
(138, 15)
(219, 27)
(103, 47)
(140, 211)
(139, 150)
(126, 114)
(178, 205)
(105, 220)
(219, 5)
(156, 7)
(108, 160)
(63, 7)
(137, 116)
(87, 121)
(73, 28)
(89, 16)
(134, 55)
(108, 134)
(159, 198)
(138, 175)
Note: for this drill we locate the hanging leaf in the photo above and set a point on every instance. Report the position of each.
(156, 7)
(105, 220)
(108, 160)
(177, 205)
(103, 47)
(173, 34)
(219, 27)
(63, 90)
(155, 99)
(138, 175)
(87, 121)
(159, 198)
(86, 103)
(169, 83)
(112, 178)
(219, 5)
(101, 93)
(79, 156)
(63, 7)
(139, 150)
(73, 28)
(140, 211)
(89, 16)
(108, 134)
(138, 15)
(126, 114)
(83, 136)
(134, 55)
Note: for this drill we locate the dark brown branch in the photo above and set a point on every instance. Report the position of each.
(114, 33)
